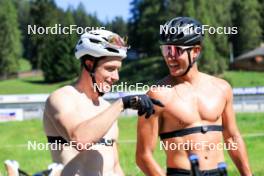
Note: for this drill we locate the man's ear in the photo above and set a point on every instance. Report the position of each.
(196, 52)
(89, 64)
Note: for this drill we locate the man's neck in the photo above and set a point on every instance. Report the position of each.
(85, 85)
(192, 77)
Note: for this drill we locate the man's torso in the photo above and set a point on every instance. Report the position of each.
(188, 106)
(100, 157)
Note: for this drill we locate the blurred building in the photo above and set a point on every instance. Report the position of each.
(252, 60)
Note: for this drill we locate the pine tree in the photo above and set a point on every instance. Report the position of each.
(83, 19)
(147, 16)
(246, 16)
(215, 46)
(59, 63)
(23, 9)
(42, 14)
(10, 43)
(261, 3)
(118, 25)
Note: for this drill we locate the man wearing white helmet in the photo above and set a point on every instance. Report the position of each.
(80, 120)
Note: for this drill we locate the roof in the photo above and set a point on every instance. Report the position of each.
(251, 54)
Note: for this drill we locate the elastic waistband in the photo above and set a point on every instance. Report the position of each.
(61, 140)
(185, 172)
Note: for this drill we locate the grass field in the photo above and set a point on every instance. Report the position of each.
(31, 85)
(244, 78)
(14, 137)
(34, 85)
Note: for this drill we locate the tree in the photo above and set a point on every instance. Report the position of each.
(59, 63)
(10, 43)
(147, 16)
(118, 25)
(23, 10)
(83, 19)
(261, 3)
(42, 14)
(246, 16)
(215, 46)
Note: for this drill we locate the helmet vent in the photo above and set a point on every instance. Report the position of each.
(181, 35)
(112, 50)
(80, 42)
(105, 38)
(95, 41)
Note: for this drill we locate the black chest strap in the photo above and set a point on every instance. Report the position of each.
(186, 131)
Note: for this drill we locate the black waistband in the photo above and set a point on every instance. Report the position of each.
(61, 140)
(56, 139)
(184, 172)
(186, 131)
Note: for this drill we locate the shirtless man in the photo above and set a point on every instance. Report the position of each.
(198, 111)
(78, 115)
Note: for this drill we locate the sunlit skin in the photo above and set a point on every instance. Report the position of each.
(191, 100)
(72, 106)
(107, 73)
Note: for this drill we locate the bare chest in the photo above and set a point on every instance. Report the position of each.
(88, 109)
(188, 106)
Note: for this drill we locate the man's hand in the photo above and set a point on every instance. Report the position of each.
(142, 103)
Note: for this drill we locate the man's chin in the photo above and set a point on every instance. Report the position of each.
(175, 74)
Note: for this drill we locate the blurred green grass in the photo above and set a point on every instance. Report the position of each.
(244, 78)
(18, 133)
(36, 84)
(30, 85)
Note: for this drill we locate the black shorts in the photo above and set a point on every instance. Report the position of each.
(184, 172)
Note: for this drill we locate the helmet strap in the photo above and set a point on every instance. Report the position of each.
(190, 62)
(92, 74)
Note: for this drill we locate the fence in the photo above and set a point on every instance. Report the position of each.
(31, 106)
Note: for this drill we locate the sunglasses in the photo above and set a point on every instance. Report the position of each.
(173, 50)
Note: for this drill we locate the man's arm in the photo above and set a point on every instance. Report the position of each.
(67, 115)
(233, 137)
(64, 112)
(147, 135)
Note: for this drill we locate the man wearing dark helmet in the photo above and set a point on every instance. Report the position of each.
(198, 111)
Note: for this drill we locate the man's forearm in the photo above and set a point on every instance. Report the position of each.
(119, 170)
(149, 166)
(95, 128)
(239, 155)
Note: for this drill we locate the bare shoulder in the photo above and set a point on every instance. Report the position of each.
(158, 89)
(161, 89)
(62, 98)
(222, 84)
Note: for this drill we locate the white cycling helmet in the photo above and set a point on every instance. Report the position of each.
(99, 43)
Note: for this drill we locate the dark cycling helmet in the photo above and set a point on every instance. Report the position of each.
(186, 32)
